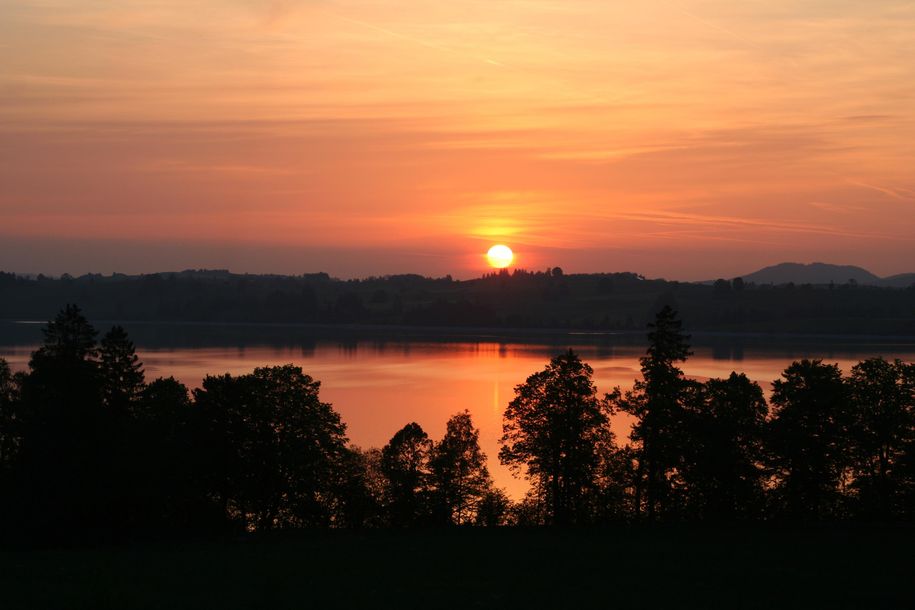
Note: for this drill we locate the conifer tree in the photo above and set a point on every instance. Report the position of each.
(657, 401)
(121, 371)
(459, 474)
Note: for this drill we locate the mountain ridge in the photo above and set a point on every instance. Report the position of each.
(825, 273)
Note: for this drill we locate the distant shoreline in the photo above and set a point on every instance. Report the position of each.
(444, 333)
(521, 304)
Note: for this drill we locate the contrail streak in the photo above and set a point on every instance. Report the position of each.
(419, 41)
(895, 193)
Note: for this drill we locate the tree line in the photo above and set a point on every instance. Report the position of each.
(520, 299)
(90, 449)
(825, 447)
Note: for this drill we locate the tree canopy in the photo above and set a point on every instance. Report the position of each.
(405, 463)
(808, 435)
(458, 471)
(280, 446)
(556, 430)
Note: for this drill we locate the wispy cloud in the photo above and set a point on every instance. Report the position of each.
(902, 194)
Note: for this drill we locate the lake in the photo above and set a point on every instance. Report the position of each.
(381, 379)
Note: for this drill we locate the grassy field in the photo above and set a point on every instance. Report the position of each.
(762, 567)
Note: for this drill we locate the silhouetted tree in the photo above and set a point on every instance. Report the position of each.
(883, 427)
(121, 370)
(808, 438)
(164, 403)
(531, 510)
(723, 455)
(68, 338)
(9, 419)
(86, 448)
(460, 478)
(121, 382)
(361, 490)
(494, 509)
(612, 497)
(10, 440)
(405, 464)
(66, 442)
(277, 447)
(168, 487)
(557, 430)
(905, 472)
(657, 402)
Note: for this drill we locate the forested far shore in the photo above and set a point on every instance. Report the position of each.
(90, 449)
(520, 299)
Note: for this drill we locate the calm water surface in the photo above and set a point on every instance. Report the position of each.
(381, 383)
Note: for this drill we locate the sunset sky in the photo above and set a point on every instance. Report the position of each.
(683, 139)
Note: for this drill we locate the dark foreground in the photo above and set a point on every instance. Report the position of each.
(762, 567)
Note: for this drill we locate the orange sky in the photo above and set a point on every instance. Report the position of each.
(688, 140)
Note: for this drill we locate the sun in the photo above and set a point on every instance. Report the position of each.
(500, 256)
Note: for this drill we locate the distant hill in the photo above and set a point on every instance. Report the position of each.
(903, 280)
(824, 273)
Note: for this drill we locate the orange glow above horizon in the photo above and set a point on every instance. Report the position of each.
(691, 140)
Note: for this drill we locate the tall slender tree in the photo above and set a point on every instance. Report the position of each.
(121, 370)
(657, 401)
(460, 478)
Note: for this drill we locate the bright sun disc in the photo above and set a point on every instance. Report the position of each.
(500, 256)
